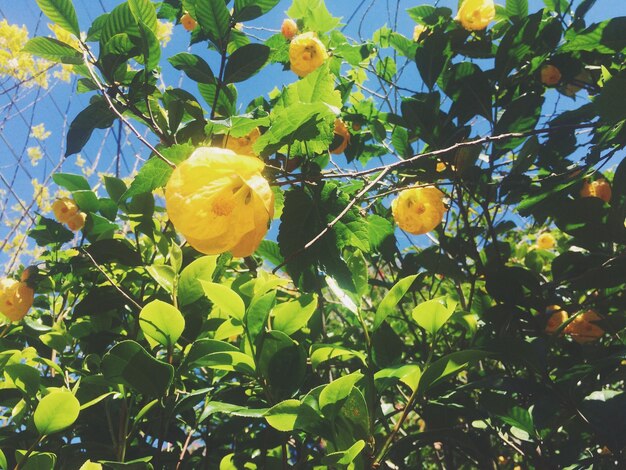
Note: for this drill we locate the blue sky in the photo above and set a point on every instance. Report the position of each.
(55, 107)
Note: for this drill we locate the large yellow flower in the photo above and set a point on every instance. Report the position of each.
(583, 328)
(306, 53)
(546, 241)
(220, 201)
(16, 298)
(418, 210)
(475, 15)
(64, 209)
(341, 137)
(557, 317)
(599, 188)
(243, 145)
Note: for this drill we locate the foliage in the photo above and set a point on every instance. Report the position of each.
(341, 345)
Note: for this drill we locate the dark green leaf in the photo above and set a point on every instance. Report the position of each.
(246, 10)
(130, 364)
(517, 8)
(48, 231)
(214, 19)
(245, 62)
(95, 116)
(195, 67)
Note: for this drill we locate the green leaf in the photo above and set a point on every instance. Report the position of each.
(323, 352)
(144, 12)
(469, 88)
(36, 460)
(203, 347)
(195, 67)
(245, 62)
(87, 200)
(448, 365)
(230, 361)
(307, 212)
(164, 275)
(155, 172)
(283, 415)
(517, 8)
(246, 10)
(257, 313)
(162, 322)
(23, 377)
(189, 287)
(344, 457)
(431, 57)
(71, 182)
(314, 14)
(290, 317)
(433, 314)
(391, 300)
(282, 362)
(62, 13)
(336, 393)
(224, 298)
(48, 231)
(56, 412)
(150, 47)
(607, 37)
(521, 115)
(120, 20)
(54, 50)
(95, 116)
(214, 19)
(130, 364)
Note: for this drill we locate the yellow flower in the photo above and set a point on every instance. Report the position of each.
(582, 329)
(306, 53)
(188, 22)
(418, 210)
(289, 29)
(64, 209)
(599, 188)
(220, 201)
(34, 154)
(164, 32)
(17, 64)
(550, 75)
(475, 15)
(545, 241)
(341, 132)
(39, 132)
(16, 298)
(441, 166)
(418, 30)
(557, 317)
(243, 145)
(77, 221)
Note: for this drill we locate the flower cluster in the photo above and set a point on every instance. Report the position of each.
(16, 64)
(67, 212)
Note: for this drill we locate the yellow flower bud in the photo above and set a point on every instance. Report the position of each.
(243, 145)
(341, 132)
(188, 22)
(418, 30)
(582, 329)
(557, 317)
(418, 210)
(306, 53)
(546, 241)
(77, 221)
(289, 29)
(64, 209)
(16, 298)
(550, 75)
(220, 201)
(599, 188)
(475, 15)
